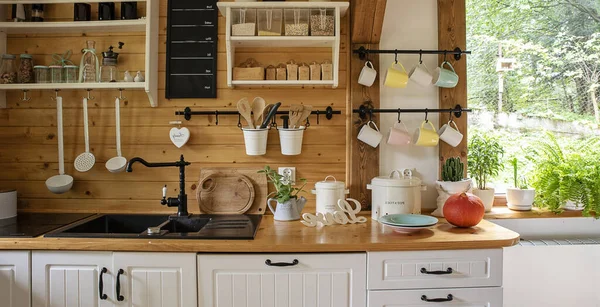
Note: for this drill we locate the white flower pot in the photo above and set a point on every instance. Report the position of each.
(573, 206)
(487, 197)
(520, 199)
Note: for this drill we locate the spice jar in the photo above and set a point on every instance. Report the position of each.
(243, 22)
(303, 72)
(8, 69)
(292, 70)
(296, 22)
(70, 73)
(315, 71)
(56, 74)
(326, 70)
(41, 74)
(26, 68)
(322, 22)
(37, 12)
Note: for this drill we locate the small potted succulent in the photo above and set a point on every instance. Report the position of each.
(520, 197)
(453, 181)
(288, 205)
(485, 162)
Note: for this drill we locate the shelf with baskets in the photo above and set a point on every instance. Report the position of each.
(147, 25)
(336, 10)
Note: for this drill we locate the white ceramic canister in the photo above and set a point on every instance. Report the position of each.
(328, 193)
(8, 204)
(400, 194)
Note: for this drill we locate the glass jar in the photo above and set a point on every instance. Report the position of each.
(322, 22)
(269, 22)
(90, 62)
(108, 72)
(70, 73)
(37, 12)
(296, 22)
(56, 74)
(8, 69)
(41, 74)
(243, 22)
(26, 69)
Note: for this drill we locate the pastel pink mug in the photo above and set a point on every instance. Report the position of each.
(399, 135)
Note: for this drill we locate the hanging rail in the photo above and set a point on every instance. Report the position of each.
(457, 52)
(363, 111)
(187, 113)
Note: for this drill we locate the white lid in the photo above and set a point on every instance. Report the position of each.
(404, 179)
(330, 185)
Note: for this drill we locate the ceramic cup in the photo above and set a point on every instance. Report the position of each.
(420, 75)
(450, 135)
(367, 74)
(443, 77)
(399, 135)
(396, 76)
(369, 135)
(426, 137)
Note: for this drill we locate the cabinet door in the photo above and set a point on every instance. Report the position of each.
(157, 279)
(466, 297)
(71, 279)
(15, 287)
(324, 280)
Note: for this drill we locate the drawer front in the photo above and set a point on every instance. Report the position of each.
(430, 269)
(466, 297)
(325, 280)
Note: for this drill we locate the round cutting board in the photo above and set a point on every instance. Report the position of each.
(222, 194)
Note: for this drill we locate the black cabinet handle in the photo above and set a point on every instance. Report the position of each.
(101, 284)
(447, 271)
(269, 263)
(449, 298)
(120, 298)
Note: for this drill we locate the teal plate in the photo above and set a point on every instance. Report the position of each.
(408, 220)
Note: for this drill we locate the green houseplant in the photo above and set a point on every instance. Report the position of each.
(484, 163)
(520, 197)
(289, 206)
(452, 182)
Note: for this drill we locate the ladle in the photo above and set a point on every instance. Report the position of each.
(60, 183)
(117, 164)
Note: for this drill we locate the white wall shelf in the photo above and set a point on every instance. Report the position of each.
(233, 42)
(149, 26)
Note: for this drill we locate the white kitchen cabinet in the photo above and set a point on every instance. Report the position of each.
(15, 286)
(71, 279)
(467, 297)
(157, 279)
(282, 280)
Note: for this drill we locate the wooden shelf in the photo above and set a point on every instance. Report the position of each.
(283, 41)
(73, 86)
(283, 82)
(58, 1)
(343, 6)
(137, 25)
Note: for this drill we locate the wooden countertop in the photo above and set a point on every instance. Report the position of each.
(274, 236)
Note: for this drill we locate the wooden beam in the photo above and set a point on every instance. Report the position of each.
(367, 21)
(363, 160)
(451, 34)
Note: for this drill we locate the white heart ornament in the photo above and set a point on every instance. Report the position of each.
(179, 136)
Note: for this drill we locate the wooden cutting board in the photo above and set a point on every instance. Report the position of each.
(222, 194)
(259, 182)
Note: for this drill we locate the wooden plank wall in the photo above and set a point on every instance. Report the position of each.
(28, 145)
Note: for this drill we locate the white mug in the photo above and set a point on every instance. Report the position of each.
(367, 74)
(421, 75)
(369, 135)
(450, 135)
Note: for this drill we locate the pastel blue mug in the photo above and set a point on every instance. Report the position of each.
(444, 77)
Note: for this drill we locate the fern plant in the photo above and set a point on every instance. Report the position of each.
(284, 190)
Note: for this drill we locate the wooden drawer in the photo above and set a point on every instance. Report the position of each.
(408, 270)
(326, 280)
(471, 297)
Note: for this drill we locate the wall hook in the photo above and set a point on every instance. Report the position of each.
(25, 98)
(89, 97)
(396, 56)
(216, 117)
(426, 115)
(445, 55)
(55, 94)
(121, 97)
(451, 114)
(399, 120)
(239, 121)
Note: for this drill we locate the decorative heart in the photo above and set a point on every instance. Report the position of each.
(179, 136)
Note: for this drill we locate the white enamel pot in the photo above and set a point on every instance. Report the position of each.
(328, 192)
(398, 193)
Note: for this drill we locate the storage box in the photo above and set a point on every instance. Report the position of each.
(243, 22)
(322, 22)
(248, 73)
(269, 22)
(296, 22)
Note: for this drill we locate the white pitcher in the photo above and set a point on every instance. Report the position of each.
(288, 211)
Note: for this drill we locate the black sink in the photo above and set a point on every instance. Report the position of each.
(193, 224)
(112, 226)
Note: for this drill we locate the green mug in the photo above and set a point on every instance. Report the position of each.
(443, 77)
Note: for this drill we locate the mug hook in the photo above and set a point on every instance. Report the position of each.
(420, 56)
(451, 114)
(370, 115)
(396, 56)
(89, 96)
(445, 55)
(426, 115)
(399, 120)
(216, 117)
(239, 124)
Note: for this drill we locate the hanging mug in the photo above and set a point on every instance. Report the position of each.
(450, 135)
(367, 74)
(369, 135)
(399, 135)
(443, 77)
(396, 76)
(426, 137)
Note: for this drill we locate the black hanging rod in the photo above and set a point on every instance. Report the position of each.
(363, 111)
(457, 52)
(187, 113)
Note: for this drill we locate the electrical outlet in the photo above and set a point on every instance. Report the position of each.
(288, 173)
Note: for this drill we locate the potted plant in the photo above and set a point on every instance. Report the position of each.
(484, 163)
(288, 206)
(520, 197)
(453, 181)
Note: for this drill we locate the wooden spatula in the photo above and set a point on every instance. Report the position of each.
(295, 114)
(305, 114)
(244, 108)
(258, 105)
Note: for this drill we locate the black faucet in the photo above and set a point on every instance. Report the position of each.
(181, 201)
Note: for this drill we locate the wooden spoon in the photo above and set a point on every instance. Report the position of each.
(258, 105)
(305, 114)
(244, 108)
(295, 114)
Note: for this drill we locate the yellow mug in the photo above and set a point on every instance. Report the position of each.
(396, 76)
(426, 137)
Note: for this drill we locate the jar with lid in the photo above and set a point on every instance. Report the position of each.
(70, 73)
(37, 12)
(89, 65)
(41, 74)
(26, 69)
(296, 22)
(243, 22)
(8, 69)
(269, 22)
(328, 193)
(108, 70)
(322, 22)
(56, 74)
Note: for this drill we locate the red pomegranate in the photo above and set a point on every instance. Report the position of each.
(463, 210)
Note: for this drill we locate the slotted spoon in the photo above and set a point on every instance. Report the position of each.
(86, 160)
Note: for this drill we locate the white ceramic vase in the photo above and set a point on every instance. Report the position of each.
(487, 197)
(520, 199)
